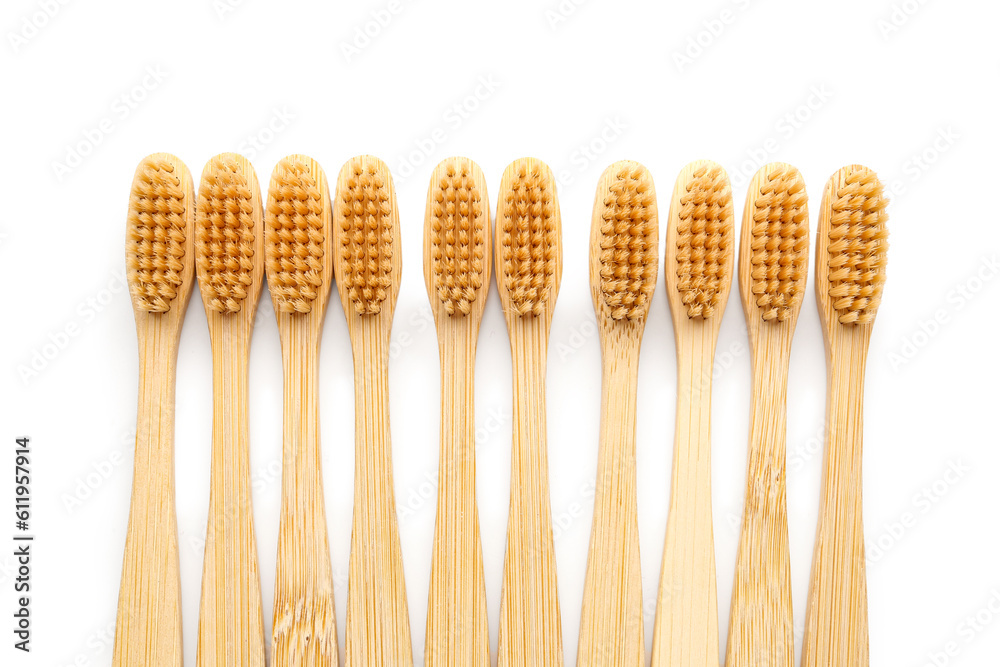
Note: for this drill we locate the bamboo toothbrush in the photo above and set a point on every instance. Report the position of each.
(298, 250)
(623, 245)
(368, 267)
(229, 256)
(457, 273)
(159, 254)
(529, 268)
(851, 245)
(698, 269)
(774, 254)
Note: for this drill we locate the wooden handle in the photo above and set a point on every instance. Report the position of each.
(378, 626)
(148, 626)
(836, 633)
(457, 629)
(687, 618)
(305, 623)
(231, 625)
(530, 625)
(611, 632)
(760, 619)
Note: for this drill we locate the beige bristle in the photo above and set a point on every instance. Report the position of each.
(779, 244)
(704, 236)
(458, 224)
(857, 246)
(156, 235)
(224, 235)
(294, 237)
(366, 253)
(528, 238)
(628, 243)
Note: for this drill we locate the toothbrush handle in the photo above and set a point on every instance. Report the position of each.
(760, 619)
(530, 625)
(231, 625)
(836, 633)
(148, 625)
(611, 632)
(378, 623)
(457, 629)
(687, 617)
(305, 623)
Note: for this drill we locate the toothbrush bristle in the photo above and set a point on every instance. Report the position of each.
(857, 246)
(295, 234)
(628, 243)
(367, 226)
(156, 234)
(458, 228)
(779, 244)
(704, 240)
(528, 236)
(224, 235)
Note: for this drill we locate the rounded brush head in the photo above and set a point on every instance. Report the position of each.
(225, 233)
(157, 244)
(699, 266)
(457, 237)
(297, 234)
(851, 268)
(366, 227)
(529, 234)
(774, 251)
(624, 242)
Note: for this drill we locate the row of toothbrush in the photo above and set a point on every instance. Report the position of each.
(303, 241)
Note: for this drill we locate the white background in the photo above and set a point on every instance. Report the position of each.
(906, 88)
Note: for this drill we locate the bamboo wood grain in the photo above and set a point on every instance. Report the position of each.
(148, 622)
(530, 623)
(611, 626)
(836, 632)
(305, 623)
(760, 620)
(686, 631)
(231, 624)
(457, 623)
(378, 625)
(837, 616)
